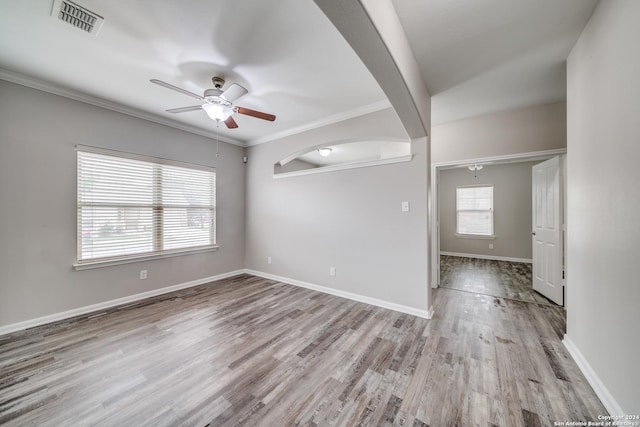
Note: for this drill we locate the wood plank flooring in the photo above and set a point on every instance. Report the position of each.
(250, 351)
(502, 279)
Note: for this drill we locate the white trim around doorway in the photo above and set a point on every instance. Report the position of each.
(435, 174)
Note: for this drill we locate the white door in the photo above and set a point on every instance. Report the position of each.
(547, 230)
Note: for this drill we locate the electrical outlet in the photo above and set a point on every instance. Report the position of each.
(490, 245)
(332, 271)
(268, 260)
(143, 274)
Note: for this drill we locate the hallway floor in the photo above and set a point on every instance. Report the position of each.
(502, 279)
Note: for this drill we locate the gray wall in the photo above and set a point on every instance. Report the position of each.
(350, 220)
(603, 234)
(38, 134)
(524, 130)
(512, 210)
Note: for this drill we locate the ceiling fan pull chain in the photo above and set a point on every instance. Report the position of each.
(217, 139)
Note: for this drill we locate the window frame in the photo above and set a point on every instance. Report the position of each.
(491, 212)
(157, 252)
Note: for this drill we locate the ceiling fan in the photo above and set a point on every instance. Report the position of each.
(217, 103)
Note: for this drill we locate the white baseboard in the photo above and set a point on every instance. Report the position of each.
(491, 257)
(426, 314)
(112, 303)
(430, 313)
(601, 391)
(31, 323)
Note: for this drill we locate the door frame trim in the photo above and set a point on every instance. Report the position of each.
(435, 174)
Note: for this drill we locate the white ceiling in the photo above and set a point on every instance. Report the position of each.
(475, 56)
(478, 57)
(286, 52)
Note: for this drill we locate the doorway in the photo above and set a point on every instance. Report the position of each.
(471, 264)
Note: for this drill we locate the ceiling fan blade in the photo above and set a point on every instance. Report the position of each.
(233, 92)
(231, 124)
(254, 113)
(184, 109)
(176, 88)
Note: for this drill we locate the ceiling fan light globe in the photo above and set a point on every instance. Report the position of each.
(217, 111)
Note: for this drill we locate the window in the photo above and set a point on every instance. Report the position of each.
(474, 210)
(131, 206)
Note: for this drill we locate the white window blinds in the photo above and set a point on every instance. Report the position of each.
(474, 210)
(131, 205)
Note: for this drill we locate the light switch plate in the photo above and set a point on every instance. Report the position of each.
(405, 206)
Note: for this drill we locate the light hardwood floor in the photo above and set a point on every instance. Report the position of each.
(502, 279)
(249, 351)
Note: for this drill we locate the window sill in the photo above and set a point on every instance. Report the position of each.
(474, 236)
(138, 258)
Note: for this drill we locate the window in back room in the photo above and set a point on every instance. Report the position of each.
(474, 210)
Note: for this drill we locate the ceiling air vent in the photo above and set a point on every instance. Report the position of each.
(77, 16)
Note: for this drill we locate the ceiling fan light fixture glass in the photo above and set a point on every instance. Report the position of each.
(325, 151)
(217, 111)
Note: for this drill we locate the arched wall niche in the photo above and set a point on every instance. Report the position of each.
(344, 154)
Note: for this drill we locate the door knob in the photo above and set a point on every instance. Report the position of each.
(533, 233)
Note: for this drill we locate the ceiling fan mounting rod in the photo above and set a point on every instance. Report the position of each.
(218, 82)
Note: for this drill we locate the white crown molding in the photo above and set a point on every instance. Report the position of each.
(507, 158)
(592, 378)
(55, 89)
(426, 314)
(489, 257)
(103, 103)
(329, 120)
(112, 303)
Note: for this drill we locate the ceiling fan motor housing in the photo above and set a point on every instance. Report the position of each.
(211, 94)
